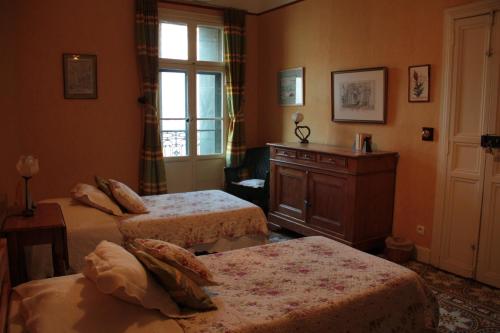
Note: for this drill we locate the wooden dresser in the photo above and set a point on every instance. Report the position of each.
(334, 192)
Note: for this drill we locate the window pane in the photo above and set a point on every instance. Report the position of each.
(209, 44)
(173, 41)
(209, 137)
(173, 104)
(173, 94)
(209, 95)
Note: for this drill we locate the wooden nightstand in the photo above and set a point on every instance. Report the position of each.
(45, 227)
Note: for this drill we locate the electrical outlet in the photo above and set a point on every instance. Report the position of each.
(420, 229)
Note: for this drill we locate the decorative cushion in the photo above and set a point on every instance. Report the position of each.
(176, 257)
(93, 197)
(103, 185)
(254, 183)
(183, 290)
(117, 272)
(127, 197)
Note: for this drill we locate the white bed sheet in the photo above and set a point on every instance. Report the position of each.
(85, 228)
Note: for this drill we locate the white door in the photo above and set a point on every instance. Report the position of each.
(488, 264)
(473, 105)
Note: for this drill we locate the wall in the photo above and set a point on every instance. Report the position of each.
(73, 139)
(76, 139)
(328, 35)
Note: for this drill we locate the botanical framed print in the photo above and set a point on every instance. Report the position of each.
(419, 78)
(80, 76)
(291, 87)
(360, 95)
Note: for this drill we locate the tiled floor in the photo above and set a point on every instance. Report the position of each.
(465, 305)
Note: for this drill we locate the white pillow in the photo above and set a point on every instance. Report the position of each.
(117, 272)
(73, 304)
(127, 197)
(93, 197)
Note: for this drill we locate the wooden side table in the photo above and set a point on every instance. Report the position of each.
(45, 227)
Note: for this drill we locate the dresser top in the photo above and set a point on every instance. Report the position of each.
(329, 149)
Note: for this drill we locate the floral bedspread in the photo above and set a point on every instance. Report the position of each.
(313, 284)
(190, 218)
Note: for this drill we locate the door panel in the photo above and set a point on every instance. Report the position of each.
(458, 255)
(291, 191)
(488, 265)
(326, 202)
(465, 169)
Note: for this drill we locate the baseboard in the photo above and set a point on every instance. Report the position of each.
(423, 254)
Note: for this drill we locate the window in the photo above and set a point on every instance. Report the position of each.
(191, 85)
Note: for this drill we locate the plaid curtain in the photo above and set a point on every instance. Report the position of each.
(234, 58)
(152, 178)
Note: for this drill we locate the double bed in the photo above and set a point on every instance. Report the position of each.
(311, 284)
(212, 221)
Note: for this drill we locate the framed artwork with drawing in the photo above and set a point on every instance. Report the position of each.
(419, 78)
(360, 95)
(80, 76)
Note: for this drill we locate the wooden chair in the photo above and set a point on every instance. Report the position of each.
(250, 181)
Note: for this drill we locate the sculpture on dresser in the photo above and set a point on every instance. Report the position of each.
(302, 132)
(27, 166)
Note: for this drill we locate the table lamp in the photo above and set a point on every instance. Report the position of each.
(302, 132)
(27, 166)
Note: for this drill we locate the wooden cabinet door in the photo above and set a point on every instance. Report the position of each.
(290, 187)
(326, 202)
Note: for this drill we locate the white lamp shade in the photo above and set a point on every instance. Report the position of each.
(27, 166)
(297, 117)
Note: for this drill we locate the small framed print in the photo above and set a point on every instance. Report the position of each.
(291, 87)
(80, 76)
(419, 80)
(360, 95)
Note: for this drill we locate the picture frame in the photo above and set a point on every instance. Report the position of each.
(291, 87)
(80, 76)
(419, 83)
(359, 95)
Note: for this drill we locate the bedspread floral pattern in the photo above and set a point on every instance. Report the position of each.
(202, 217)
(313, 285)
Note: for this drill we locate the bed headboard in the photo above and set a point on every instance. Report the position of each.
(4, 285)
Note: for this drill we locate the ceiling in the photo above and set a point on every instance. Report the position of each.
(252, 6)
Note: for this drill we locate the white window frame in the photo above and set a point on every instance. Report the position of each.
(191, 67)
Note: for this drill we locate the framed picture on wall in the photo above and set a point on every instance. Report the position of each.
(419, 79)
(291, 87)
(80, 76)
(360, 95)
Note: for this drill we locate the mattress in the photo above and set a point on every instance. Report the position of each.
(311, 284)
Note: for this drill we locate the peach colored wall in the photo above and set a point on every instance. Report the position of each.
(73, 139)
(328, 35)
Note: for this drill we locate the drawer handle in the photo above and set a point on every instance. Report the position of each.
(285, 153)
(307, 156)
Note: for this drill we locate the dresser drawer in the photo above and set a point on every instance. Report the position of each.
(336, 161)
(285, 153)
(306, 156)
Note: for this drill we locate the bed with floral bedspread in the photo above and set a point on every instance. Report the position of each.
(193, 218)
(313, 284)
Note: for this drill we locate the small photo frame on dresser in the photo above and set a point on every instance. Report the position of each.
(80, 76)
(419, 83)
